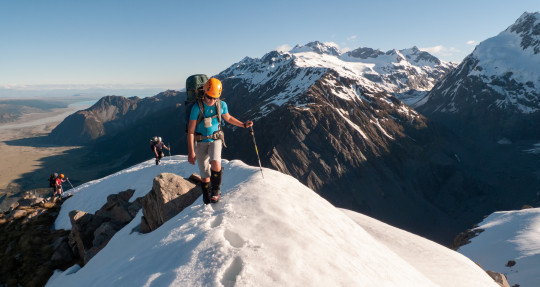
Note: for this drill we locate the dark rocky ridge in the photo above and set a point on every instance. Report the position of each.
(30, 250)
(109, 116)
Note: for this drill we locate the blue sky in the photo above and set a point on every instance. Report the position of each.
(157, 44)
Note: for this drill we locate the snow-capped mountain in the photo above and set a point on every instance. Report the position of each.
(406, 74)
(332, 119)
(509, 243)
(264, 232)
(496, 89)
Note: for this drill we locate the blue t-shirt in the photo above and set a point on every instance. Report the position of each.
(209, 111)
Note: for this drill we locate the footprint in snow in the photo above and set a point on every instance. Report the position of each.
(217, 221)
(232, 272)
(234, 239)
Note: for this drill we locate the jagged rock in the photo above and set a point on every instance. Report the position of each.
(33, 214)
(117, 207)
(91, 253)
(73, 244)
(62, 251)
(135, 206)
(30, 248)
(10, 247)
(195, 178)
(13, 206)
(465, 237)
(83, 227)
(510, 263)
(90, 233)
(170, 194)
(499, 278)
(30, 201)
(103, 234)
(16, 214)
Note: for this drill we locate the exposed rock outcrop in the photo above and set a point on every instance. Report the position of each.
(91, 232)
(30, 248)
(170, 194)
(499, 278)
(465, 237)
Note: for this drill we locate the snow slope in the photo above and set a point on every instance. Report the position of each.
(265, 232)
(509, 235)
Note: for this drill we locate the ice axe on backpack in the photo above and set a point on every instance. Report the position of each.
(256, 150)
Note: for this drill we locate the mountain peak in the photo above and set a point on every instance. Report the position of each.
(318, 47)
(416, 55)
(528, 27)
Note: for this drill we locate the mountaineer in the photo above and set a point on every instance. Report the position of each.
(205, 138)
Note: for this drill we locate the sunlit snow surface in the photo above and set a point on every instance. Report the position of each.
(509, 235)
(264, 232)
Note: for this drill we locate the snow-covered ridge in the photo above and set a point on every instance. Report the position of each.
(395, 72)
(508, 63)
(509, 235)
(264, 232)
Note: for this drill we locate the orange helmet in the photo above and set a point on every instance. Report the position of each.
(62, 175)
(213, 88)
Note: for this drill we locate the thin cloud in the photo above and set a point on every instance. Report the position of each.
(352, 38)
(283, 48)
(441, 50)
(472, 42)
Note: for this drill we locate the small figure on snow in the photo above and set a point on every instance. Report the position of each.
(157, 147)
(58, 186)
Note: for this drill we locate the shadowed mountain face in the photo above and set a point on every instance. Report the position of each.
(492, 101)
(109, 116)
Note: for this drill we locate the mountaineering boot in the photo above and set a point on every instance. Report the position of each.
(215, 179)
(205, 192)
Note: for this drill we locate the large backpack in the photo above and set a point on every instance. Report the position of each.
(152, 144)
(195, 94)
(52, 179)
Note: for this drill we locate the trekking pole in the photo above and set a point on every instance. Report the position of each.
(69, 182)
(256, 150)
(169, 144)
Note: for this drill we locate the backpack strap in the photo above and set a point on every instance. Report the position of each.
(218, 111)
(201, 112)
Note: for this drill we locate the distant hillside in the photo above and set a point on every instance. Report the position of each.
(11, 110)
(110, 116)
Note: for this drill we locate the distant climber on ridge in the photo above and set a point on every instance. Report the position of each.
(157, 147)
(58, 186)
(205, 138)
